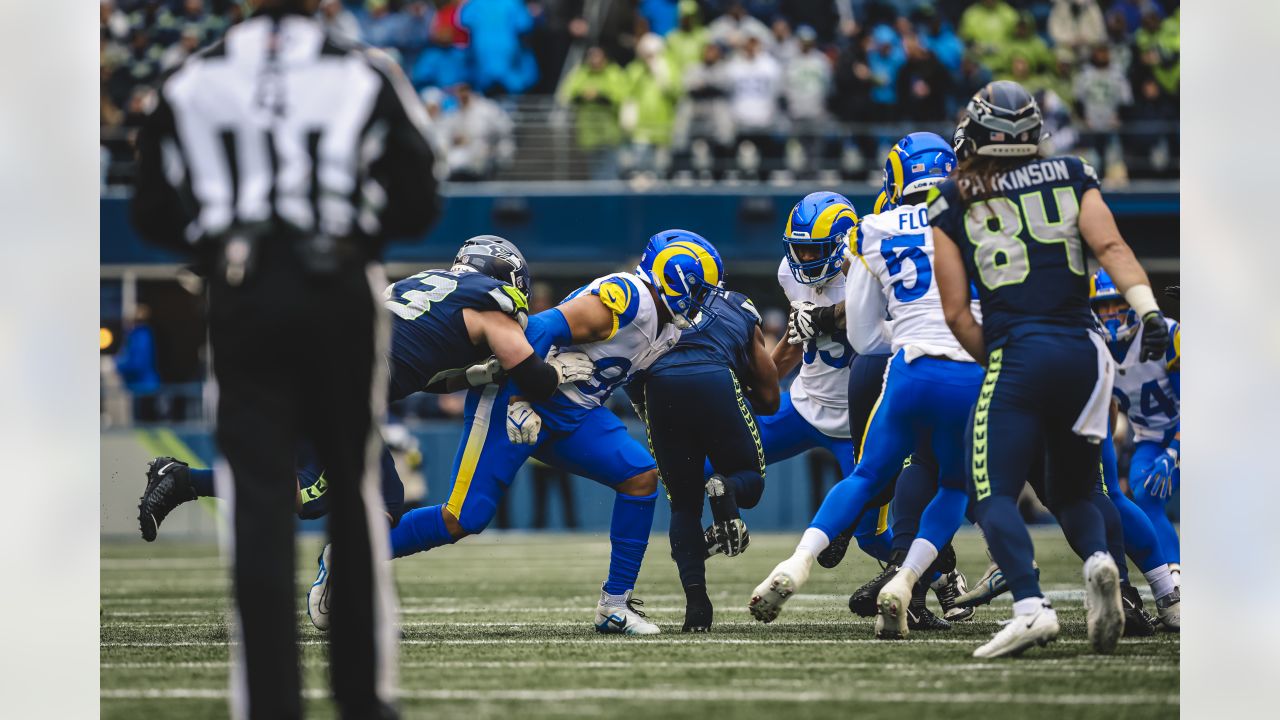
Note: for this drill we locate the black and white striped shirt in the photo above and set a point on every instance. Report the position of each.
(279, 124)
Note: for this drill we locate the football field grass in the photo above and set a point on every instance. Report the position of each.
(499, 626)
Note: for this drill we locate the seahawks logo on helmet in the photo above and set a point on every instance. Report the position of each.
(496, 257)
(1003, 120)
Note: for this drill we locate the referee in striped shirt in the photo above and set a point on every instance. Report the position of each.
(281, 161)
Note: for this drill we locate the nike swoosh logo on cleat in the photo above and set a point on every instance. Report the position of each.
(617, 622)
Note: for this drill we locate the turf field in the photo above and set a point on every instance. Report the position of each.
(499, 626)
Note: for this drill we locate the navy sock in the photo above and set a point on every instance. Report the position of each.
(1010, 544)
(914, 490)
(688, 547)
(1114, 531)
(629, 535)
(420, 530)
(201, 481)
(1084, 526)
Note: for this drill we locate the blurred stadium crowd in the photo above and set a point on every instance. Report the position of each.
(712, 89)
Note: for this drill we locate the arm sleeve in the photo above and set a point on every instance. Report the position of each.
(546, 329)
(404, 163)
(864, 310)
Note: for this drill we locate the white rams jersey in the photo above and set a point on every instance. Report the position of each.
(637, 341)
(1145, 391)
(890, 293)
(820, 392)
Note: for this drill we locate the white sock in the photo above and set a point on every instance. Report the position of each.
(612, 600)
(812, 542)
(920, 557)
(1160, 580)
(1027, 606)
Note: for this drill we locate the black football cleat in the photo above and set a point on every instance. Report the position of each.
(863, 600)
(919, 616)
(834, 553)
(1137, 621)
(168, 486)
(697, 609)
(947, 589)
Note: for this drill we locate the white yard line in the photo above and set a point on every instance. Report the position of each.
(668, 640)
(668, 695)
(1053, 665)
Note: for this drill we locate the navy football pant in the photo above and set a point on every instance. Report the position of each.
(1035, 389)
(696, 416)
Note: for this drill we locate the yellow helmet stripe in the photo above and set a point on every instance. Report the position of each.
(829, 216)
(710, 270)
(897, 176)
(787, 232)
(881, 201)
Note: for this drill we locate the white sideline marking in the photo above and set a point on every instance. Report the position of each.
(667, 695)
(1053, 665)
(668, 640)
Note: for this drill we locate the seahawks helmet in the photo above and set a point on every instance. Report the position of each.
(496, 257)
(1119, 325)
(1001, 120)
(819, 227)
(918, 162)
(686, 270)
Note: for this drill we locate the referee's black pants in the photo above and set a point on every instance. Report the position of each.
(300, 357)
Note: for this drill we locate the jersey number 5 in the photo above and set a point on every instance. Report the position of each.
(413, 304)
(910, 247)
(994, 227)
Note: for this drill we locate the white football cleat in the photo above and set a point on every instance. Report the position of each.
(891, 603)
(318, 595)
(1169, 608)
(787, 578)
(1021, 633)
(618, 614)
(1104, 611)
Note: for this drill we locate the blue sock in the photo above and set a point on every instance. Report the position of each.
(420, 530)
(201, 481)
(688, 548)
(629, 534)
(1009, 543)
(878, 546)
(943, 515)
(1153, 508)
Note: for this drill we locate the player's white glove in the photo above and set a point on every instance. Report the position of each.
(800, 325)
(523, 424)
(483, 373)
(572, 366)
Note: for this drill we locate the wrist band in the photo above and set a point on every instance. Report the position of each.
(1142, 300)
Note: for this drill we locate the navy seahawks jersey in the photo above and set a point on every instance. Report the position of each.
(723, 341)
(429, 339)
(1022, 246)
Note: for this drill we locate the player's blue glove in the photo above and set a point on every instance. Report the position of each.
(1159, 481)
(1155, 336)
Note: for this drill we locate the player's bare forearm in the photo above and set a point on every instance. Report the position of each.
(953, 288)
(1099, 230)
(764, 393)
(589, 320)
(786, 357)
(502, 334)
